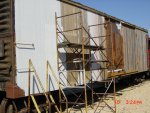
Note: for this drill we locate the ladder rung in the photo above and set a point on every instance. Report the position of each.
(68, 15)
(75, 87)
(104, 81)
(74, 103)
(79, 61)
(104, 98)
(101, 68)
(69, 30)
(93, 61)
(102, 93)
(99, 24)
(100, 36)
(71, 71)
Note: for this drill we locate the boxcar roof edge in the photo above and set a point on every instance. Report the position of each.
(84, 7)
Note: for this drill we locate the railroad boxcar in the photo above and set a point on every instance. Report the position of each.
(57, 32)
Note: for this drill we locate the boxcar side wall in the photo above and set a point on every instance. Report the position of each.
(36, 40)
(35, 29)
(135, 47)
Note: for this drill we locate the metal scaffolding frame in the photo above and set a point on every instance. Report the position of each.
(49, 98)
(77, 49)
(109, 65)
(62, 42)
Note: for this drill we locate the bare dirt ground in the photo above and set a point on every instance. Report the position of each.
(134, 99)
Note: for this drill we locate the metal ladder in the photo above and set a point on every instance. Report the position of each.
(49, 98)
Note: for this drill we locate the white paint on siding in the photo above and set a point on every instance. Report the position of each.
(35, 24)
(96, 31)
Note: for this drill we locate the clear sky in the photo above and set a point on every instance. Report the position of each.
(134, 11)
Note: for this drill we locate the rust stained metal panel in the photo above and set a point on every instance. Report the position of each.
(114, 46)
(13, 91)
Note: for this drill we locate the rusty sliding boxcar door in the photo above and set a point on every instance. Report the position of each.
(7, 51)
